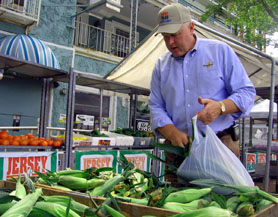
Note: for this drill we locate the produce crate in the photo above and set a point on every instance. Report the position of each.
(120, 139)
(134, 210)
(139, 141)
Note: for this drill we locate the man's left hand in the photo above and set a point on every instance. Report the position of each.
(210, 111)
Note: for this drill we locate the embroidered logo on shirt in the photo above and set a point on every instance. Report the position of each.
(208, 64)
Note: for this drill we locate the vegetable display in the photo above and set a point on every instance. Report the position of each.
(198, 198)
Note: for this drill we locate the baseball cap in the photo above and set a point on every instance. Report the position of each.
(171, 17)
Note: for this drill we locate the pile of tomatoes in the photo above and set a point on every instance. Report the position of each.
(28, 139)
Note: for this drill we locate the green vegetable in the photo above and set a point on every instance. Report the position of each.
(5, 206)
(245, 209)
(77, 183)
(55, 209)
(262, 204)
(107, 186)
(112, 211)
(187, 195)
(23, 207)
(20, 189)
(210, 211)
(64, 200)
(182, 207)
(232, 203)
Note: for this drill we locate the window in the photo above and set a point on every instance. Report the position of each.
(88, 104)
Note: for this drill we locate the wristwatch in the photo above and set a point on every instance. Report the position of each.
(222, 107)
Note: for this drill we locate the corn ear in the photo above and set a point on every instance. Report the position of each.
(210, 211)
(5, 206)
(24, 206)
(267, 196)
(76, 183)
(20, 189)
(232, 203)
(112, 211)
(182, 207)
(107, 186)
(39, 213)
(142, 201)
(187, 195)
(215, 204)
(64, 200)
(245, 209)
(263, 203)
(55, 209)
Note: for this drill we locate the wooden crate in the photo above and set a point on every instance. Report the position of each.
(133, 210)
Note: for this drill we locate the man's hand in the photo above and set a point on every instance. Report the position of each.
(174, 135)
(210, 111)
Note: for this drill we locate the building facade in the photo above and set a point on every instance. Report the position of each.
(91, 36)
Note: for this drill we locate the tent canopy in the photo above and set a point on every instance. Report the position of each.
(27, 48)
(137, 68)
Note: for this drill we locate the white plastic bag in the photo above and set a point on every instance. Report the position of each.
(209, 158)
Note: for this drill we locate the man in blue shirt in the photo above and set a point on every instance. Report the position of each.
(196, 76)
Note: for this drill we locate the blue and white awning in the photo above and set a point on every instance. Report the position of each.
(25, 47)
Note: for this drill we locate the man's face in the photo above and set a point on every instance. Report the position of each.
(180, 42)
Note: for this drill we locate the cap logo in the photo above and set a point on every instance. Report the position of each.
(164, 17)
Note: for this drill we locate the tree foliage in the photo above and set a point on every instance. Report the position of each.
(250, 19)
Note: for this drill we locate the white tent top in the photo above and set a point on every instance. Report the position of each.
(136, 69)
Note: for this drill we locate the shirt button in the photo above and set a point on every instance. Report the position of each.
(188, 105)
(186, 76)
(185, 61)
(187, 91)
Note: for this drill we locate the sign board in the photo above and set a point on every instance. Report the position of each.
(15, 163)
(139, 158)
(250, 161)
(143, 125)
(97, 159)
(85, 120)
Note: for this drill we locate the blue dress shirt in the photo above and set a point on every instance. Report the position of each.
(211, 70)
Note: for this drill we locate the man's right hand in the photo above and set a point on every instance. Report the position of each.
(174, 135)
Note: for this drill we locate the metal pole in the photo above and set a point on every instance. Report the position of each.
(243, 142)
(44, 107)
(100, 109)
(270, 122)
(69, 119)
(134, 111)
(251, 131)
(133, 25)
(130, 110)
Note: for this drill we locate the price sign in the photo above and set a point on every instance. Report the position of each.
(143, 125)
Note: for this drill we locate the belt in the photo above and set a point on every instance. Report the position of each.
(228, 131)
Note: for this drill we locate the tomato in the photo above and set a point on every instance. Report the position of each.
(57, 143)
(34, 142)
(15, 142)
(24, 142)
(4, 135)
(4, 142)
(43, 143)
(50, 142)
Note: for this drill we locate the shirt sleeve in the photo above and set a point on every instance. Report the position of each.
(239, 86)
(159, 114)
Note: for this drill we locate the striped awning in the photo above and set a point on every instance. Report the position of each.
(25, 47)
